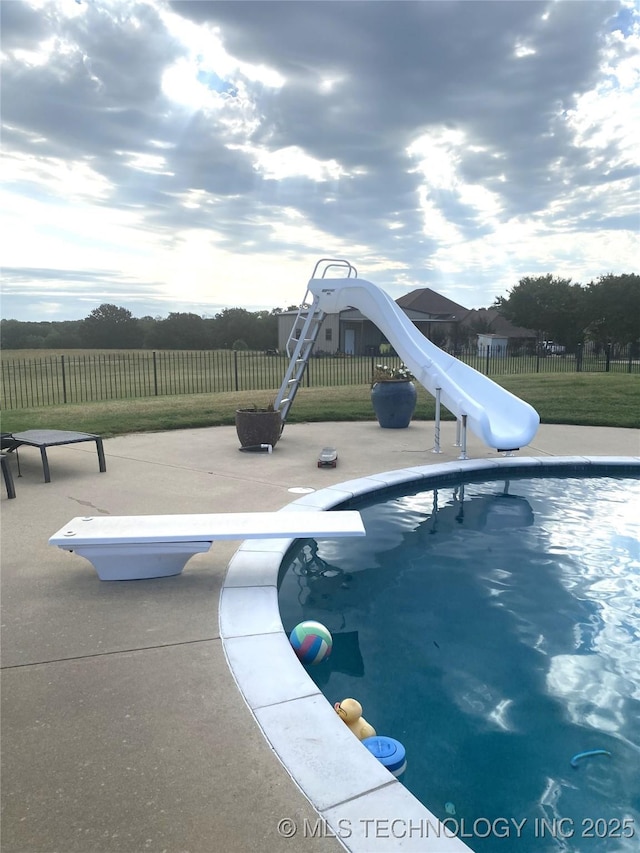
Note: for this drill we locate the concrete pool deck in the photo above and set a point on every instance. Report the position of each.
(122, 726)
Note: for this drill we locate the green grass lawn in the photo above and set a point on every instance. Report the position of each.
(596, 399)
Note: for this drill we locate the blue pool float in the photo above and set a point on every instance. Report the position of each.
(576, 758)
(389, 752)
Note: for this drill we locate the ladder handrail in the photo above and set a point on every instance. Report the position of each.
(334, 262)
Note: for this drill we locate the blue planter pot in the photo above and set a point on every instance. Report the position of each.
(394, 403)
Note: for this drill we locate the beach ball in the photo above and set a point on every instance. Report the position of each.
(311, 642)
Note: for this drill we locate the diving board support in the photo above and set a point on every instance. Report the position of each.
(137, 547)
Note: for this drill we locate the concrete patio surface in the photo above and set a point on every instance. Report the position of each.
(122, 727)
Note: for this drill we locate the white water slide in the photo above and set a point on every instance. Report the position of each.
(500, 419)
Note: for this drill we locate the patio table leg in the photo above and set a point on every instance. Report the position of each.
(101, 459)
(8, 478)
(45, 463)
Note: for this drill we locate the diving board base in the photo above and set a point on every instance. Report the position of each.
(141, 561)
(141, 547)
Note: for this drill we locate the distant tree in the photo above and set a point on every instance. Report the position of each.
(34, 342)
(54, 340)
(146, 326)
(180, 331)
(612, 308)
(233, 324)
(18, 334)
(110, 327)
(24, 335)
(552, 306)
(12, 334)
(68, 332)
(266, 330)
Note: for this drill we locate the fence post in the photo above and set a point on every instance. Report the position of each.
(64, 380)
(235, 368)
(607, 366)
(155, 374)
(630, 358)
(486, 370)
(579, 358)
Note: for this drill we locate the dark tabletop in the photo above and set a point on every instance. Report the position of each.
(48, 437)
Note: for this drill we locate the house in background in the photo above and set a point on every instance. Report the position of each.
(350, 332)
(440, 317)
(494, 331)
(441, 320)
(359, 336)
(494, 345)
(328, 340)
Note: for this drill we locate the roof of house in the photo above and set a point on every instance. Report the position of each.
(427, 301)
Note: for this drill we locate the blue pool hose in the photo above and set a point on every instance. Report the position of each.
(576, 758)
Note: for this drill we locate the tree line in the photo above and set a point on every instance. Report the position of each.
(112, 327)
(603, 311)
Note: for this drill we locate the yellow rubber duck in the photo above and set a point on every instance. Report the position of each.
(350, 711)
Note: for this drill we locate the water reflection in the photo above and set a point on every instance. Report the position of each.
(388, 523)
(317, 583)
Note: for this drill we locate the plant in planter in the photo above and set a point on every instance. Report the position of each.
(258, 426)
(393, 396)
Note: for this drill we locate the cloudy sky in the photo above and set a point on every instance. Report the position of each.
(192, 156)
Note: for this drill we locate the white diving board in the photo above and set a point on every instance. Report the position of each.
(136, 547)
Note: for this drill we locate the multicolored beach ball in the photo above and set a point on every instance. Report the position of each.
(311, 642)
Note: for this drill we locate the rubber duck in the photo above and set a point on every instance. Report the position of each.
(350, 711)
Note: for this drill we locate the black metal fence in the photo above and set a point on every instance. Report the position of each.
(80, 378)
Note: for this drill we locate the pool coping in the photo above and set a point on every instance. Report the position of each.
(358, 801)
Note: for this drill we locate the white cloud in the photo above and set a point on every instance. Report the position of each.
(164, 154)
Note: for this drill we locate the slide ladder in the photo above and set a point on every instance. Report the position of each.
(302, 338)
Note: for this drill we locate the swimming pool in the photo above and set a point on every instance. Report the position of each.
(369, 810)
(493, 629)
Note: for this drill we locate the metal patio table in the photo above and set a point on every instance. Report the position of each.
(44, 438)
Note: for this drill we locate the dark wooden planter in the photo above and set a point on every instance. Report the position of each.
(258, 426)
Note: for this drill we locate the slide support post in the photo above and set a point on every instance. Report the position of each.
(463, 442)
(436, 446)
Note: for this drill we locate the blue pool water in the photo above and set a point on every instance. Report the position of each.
(494, 629)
